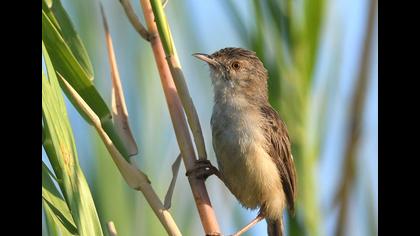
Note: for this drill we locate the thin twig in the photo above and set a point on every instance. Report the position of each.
(135, 178)
(111, 229)
(249, 225)
(119, 108)
(132, 17)
(201, 197)
(357, 106)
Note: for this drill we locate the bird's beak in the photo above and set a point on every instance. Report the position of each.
(207, 58)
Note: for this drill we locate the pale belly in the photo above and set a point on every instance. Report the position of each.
(247, 169)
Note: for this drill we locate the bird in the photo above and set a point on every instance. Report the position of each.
(250, 140)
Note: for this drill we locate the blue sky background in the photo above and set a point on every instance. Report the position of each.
(343, 31)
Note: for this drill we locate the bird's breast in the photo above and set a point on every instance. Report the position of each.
(239, 145)
(235, 127)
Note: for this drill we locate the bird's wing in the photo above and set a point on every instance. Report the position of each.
(279, 148)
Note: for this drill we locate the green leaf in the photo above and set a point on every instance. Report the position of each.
(55, 203)
(47, 3)
(52, 226)
(56, 13)
(67, 65)
(61, 151)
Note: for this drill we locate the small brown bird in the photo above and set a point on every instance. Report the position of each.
(250, 140)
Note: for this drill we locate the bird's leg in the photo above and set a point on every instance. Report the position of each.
(203, 169)
(257, 219)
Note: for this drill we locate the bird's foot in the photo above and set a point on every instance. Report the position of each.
(203, 169)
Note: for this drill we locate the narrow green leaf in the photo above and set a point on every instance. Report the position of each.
(56, 13)
(61, 151)
(52, 226)
(67, 65)
(48, 3)
(56, 204)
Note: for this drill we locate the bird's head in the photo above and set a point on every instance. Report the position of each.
(236, 71)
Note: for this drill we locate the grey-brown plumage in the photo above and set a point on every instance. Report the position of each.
(250, 140)
(280, 152)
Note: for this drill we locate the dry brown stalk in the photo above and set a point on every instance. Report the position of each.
(135, 178)
(119, 108)
(132, 17)
(176, 111)
(349, 164)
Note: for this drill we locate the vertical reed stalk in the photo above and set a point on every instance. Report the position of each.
(176, 111)
(355, 124)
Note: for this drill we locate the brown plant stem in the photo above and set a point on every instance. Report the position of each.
(201, 197)
(188, 104)
(349, 164)
(119, 108)
(135, 178)
(178, 77)
(132, 17)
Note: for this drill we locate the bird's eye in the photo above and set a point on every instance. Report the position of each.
(235, 65)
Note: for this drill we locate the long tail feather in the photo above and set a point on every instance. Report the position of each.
(275, 228)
